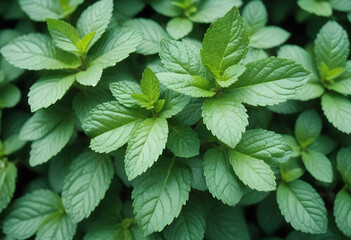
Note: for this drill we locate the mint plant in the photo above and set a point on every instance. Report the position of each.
(324, 8)
(330, 73)
(174, 120)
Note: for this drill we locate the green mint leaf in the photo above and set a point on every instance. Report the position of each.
(269, 81)
(337, 109)
(342, 83)
(231, 75)
(308, 127)
(225, 118)
(341, 5)
(57, 226)
(302, 207)
(110, 126)
(342, 211)
(154, 210)
(150, 86)
(95, 19)
(252, 171)
(86, 183)
(323, 144)
(39, 10)
(115, 46)
(300, 56)
(49, 90)
(152, 34)
(182, 57)
(190, 224)
(210, 10)
(254, 16)
(10, 95)
(36, 51)
(143, 101)
(254, 54)
(51, 130)
(221, 180)
(174, 103)
(343, 164)
(90, 76)
(29, 212)
(320, 8)
(123, 91)
(269, 37)
(145, 146)
(309, 91)
(83, 43)
(331, 46)
(226, 222)
(64, 34)
(8, 175)
(292, 170)
(86, 100)
(225, 43)
(194, 86)
(178, 27)
(265, 145)
(183, 141)
(318, 165)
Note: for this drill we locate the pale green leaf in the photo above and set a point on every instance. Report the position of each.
(189, 225)
(308, 127)
(269, 37)
(302, 207)
(210, 10)
(337, 109)
(95, 19)
(225, 43)
(182, 57)
(254, 54)
(64, 34)
(183, 141)
(83, 43)
(174, 103)
(255, 16)
(292, 170)
(194, 86)
(36, 51)
(323, 144)
(231, 75)
(122, 91)
(269, 81)
(86, 183)
(220, 178)
(252, 171)
(159, 195)
(320, 8)
(342, 83)
(341, 5)
(56, 227)
(40, 10)
(110, 126)
(8, 175)
(150, 85)
(342, 211)
(48, 90)
(331, 46)
(90, 76)
(300, 56)
(178, 28)
(225, 118)
(309, 91)
(145, 146)
(191, 113)
(343, 164)
(29, 212)
(152, 34)
(265, 145)
(318, 165)
(166, 7)
(115, 46)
